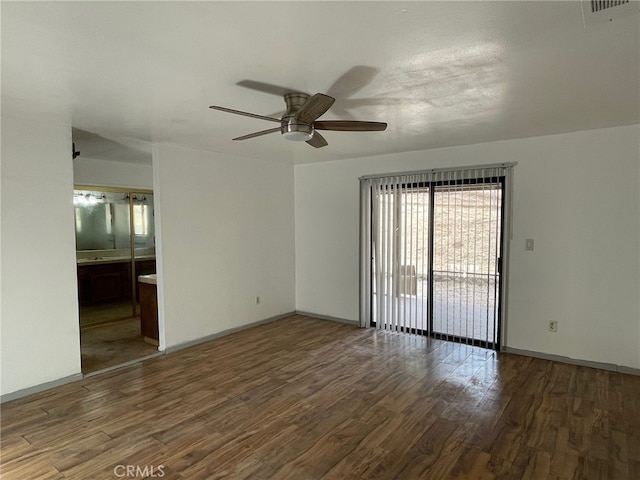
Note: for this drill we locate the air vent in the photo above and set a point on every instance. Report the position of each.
(599, 5)
(597, 11)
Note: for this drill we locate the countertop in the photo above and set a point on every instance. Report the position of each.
(151, 278)
(107, 259)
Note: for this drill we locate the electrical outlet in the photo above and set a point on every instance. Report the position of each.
(529, 244)
(553, 326)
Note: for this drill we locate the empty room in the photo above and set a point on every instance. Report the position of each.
(430, 269)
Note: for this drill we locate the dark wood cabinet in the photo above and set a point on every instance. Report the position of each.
(106, 286)
(84, 289)
(143, 267)
(109, 282)
(149, 311)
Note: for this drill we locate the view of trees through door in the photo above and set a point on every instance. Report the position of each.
(436, 249)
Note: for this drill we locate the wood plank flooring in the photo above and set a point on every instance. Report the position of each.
(304, 399)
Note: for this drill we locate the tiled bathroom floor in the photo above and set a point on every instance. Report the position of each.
(107, 345)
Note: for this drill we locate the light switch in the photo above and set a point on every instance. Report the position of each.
(529, 244)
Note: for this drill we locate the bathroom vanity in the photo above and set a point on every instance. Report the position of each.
(108, 278)
(147, 285)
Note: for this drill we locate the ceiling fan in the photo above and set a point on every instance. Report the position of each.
(300, 121)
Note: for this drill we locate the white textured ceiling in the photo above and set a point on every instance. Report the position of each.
(440, 73)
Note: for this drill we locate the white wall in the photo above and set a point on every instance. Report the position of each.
(40, 328)
(575, 194)
(226, 235)
(110, 173)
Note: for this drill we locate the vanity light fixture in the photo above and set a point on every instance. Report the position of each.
(136, 198)
(88, 198)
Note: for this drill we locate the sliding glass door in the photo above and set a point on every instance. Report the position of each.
(466, 256)
(432, 254)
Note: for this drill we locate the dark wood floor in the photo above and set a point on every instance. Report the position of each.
(308, 399)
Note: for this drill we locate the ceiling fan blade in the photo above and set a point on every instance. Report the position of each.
(314, 107)
(258, 134)
(266, 87)
(349, 126)
(246, 114)
(317, 141)
(352, 81)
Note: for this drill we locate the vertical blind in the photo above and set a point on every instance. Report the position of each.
(432, 247)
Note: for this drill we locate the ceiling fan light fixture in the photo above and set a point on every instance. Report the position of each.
(297, 136)
(296, 131)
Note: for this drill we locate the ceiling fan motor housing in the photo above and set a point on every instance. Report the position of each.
(292, 128)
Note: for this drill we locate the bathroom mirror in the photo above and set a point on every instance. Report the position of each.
(102, 220)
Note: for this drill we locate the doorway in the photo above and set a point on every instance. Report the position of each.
(432, 254)
(115, 250)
